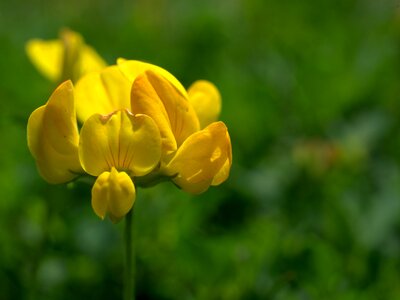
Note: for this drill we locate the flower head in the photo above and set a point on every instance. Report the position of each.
(115, 148)
(139, 126)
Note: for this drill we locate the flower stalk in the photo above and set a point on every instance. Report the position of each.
(129, 280)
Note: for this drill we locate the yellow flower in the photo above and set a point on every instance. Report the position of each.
(139, 126)
(66, 58)
(115, 148)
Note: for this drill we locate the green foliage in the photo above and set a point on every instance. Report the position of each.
(312, 208)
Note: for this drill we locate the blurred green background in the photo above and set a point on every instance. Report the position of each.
(311, 97)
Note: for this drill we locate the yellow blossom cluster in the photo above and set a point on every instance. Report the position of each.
(129, 124)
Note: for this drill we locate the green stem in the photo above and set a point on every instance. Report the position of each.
(129, 282)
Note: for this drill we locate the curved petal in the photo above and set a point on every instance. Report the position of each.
(155, 96)
(47, 57)
(223, 173)
(121, 140)
(72, 48)
(65, 58)
(133, 68)
(57, 59)
(53, 137)
(102, 92)
(206, 101)
(113, 193)
(200, 158)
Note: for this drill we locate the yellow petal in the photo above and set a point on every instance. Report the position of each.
(200, 158)
(53, 136)
(65, 58)
(102, 92)
(206, 101)
(121, 140)
(47, 57)
(155, 96)
(59, 59)
(73, 44)
(113, 193)
(133, 68)
(223, 173)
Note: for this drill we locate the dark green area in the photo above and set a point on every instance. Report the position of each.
(311, 97)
